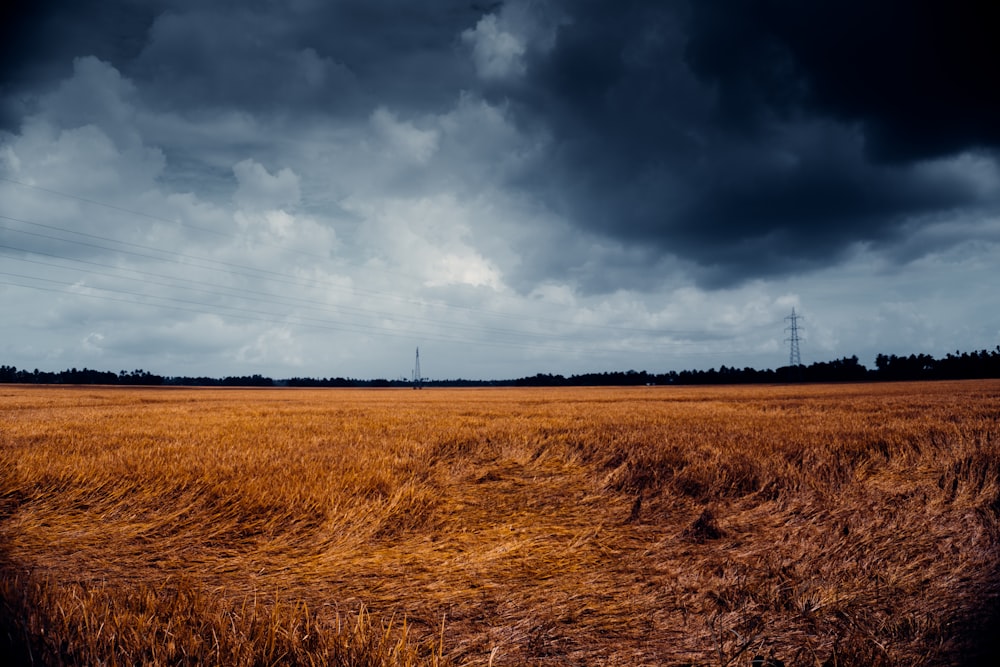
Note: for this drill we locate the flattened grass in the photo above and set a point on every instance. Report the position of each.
(847, 525)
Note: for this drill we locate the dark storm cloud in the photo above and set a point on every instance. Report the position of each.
(329, 58)
(762, 137)
(39, 39)
(295, 57)
(749, 138)
(917, 75)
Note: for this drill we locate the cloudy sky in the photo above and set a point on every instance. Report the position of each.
(315, 188)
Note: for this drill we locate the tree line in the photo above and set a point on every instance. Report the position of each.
(967, 365)
(960, 365)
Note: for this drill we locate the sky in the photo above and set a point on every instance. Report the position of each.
(315, 188)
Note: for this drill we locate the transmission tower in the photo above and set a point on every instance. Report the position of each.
(794, 358)
(418, 380)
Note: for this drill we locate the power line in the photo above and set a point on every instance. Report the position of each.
(149, 216)
(508, 337)
(381, 295)
(252, 315)
(206, 264)
(511, 337)
(270, 318)
(179, 255)
(258, 296)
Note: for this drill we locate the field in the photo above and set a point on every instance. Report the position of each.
(808, 525)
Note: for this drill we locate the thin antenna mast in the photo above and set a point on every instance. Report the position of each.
(418, 380)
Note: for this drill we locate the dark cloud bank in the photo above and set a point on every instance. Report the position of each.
(765, 137)
(747, 138)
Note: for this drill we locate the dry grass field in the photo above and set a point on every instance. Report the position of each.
(809, 525)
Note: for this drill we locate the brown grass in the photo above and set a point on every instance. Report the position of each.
(848, 525)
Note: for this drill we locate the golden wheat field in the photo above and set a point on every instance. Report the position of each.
(795, 525)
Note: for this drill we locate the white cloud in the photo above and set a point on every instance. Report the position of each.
(258, 189)
(426, 237)
(273, 345)
(496, 52)
(469, 269)
(402, 139)
(95, 95)
(10, 161)
(92, 342)
(977, 171)
(84, 158)
(482, 138)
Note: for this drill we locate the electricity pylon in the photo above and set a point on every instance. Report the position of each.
(418, 380)
(794, 358)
